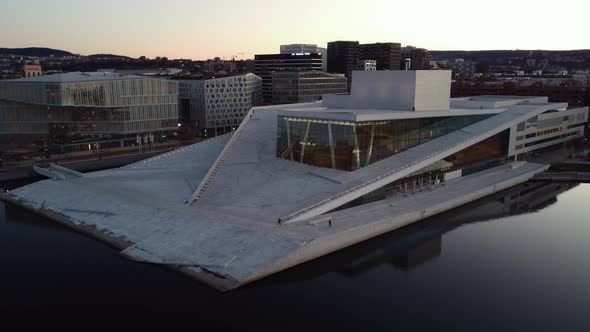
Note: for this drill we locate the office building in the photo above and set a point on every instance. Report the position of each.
(324, 52)
(296, 182)
(343, 57)
(86, 111)
(346, 56)
(266, 64)
(299, 48)
(386, 55)
(419, 58)
(461, 67)
(307, 48)
(215, 106)
(290, 87)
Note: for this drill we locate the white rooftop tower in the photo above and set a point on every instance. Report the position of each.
(411, 90)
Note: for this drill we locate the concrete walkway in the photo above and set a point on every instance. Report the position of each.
(227, 251)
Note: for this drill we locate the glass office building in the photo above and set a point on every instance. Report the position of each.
(347, 145)
(86, 111)
(291, 87)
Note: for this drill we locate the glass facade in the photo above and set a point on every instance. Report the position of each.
(266, 64)
(105, 107)
(291, 87)
(107, 93)
(486, 154)
(348, 146)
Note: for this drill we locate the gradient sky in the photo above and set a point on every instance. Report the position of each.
(200, 29)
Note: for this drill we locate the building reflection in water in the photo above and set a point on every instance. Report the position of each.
(419, 243)
(416, 244)
(404, 249)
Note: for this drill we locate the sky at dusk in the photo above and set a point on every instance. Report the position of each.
(203, 29)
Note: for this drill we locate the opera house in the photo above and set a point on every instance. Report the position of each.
(295, 182)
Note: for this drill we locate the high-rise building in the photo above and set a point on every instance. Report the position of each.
(86, 111)
(299, 48)
(216, 106)
(343, 57)
(387, 55)
(290, 87)
(266, 64)
(419, 58)
(324, 52)
(307, 48)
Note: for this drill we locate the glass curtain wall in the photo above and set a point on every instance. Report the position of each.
(486, 154)
(349, 146)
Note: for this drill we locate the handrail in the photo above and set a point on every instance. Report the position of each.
(204, 185)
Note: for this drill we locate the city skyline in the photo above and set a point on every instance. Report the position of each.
(199, 30)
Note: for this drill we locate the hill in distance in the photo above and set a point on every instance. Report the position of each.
(45, 52)
(35, 51)
(483, 54)
(108, 56)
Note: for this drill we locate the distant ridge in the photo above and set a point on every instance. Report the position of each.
(35, 51)
(45, 52)
(113, 56)
(503, 53)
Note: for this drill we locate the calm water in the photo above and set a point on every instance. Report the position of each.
(516, 261)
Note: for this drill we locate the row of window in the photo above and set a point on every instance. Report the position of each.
(19, 112)
(230, 82)
(338, 87)
(551, 131)
(81, 127)
(232, 89)
(311, 75)
(316, 92)
(518, 147)
(546, 132)
(228, 107)
(225, 99)
(227, 110)
(226, 116)
(99, 93)
(23, 128)
(223, 123)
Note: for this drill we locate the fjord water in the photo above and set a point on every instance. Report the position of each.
(518, 260)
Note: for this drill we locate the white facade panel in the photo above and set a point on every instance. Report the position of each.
(402, 90)
(433, 90)
(547, 129)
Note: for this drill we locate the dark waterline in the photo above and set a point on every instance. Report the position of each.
(515, 261)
